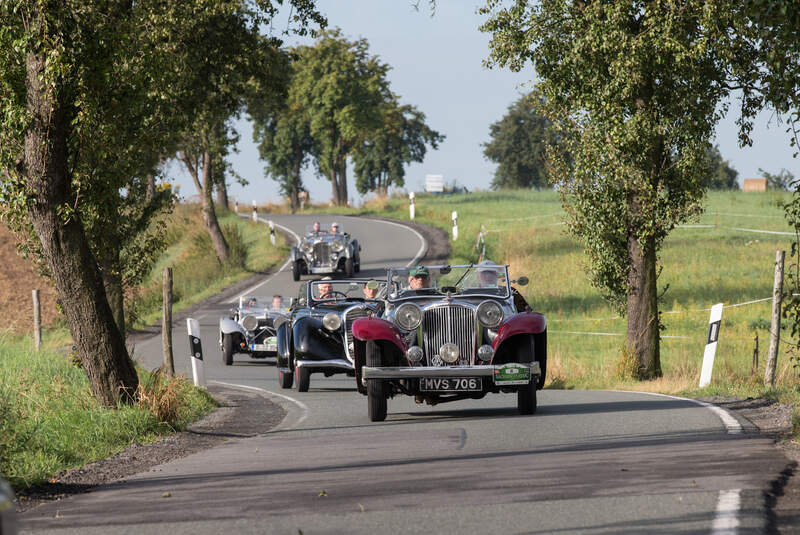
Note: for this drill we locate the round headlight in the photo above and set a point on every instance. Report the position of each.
(250, 322)
(490, 314)
(337, 246)
(307, 247)
(449, 353)
(408, 316)
(485, 353)
(332, 321)
(414, 354)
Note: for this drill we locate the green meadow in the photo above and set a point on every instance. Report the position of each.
(720, 258)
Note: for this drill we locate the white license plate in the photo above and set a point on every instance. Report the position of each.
(451, 384)
(263, 347)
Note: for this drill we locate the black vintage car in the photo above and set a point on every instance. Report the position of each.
(317, 337)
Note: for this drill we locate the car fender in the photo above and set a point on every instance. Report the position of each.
(228, 326)
(374, 329)
(310, 340)
(523, 323)
(295, 254)
(284, 342)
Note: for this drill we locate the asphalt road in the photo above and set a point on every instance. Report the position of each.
(587, 462)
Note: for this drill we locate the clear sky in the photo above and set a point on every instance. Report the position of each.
(437, 67)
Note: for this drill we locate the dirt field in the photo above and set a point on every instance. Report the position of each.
(17, 279)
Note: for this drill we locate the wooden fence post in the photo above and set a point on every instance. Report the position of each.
(775, 326)
(37, 321)
(166, 323)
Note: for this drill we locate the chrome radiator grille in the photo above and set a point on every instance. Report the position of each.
(350, 316)
(454, 324)
(322, 253)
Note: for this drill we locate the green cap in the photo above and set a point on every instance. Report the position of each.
(419, 271)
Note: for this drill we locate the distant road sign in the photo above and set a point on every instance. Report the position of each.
(434, 183)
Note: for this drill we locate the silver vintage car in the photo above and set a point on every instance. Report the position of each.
(250, 327)
(326, 249)
(8, 519)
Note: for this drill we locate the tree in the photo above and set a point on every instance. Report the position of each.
(636, 90)
(381, 159)
(341, 90)
(784, 180)
(518, 146)
(722, 175)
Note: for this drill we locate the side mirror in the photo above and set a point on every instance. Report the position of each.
(292, 302)
(444, 270)
(523, 281)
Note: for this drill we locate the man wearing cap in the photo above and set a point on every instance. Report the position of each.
(487, 274)
(325, 289)
(419, 281)
(371, 290)
(334, 228)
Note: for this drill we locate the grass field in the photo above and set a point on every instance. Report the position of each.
(49, 420)
(717, 259)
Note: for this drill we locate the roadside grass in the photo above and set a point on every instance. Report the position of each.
(196, 273)
(50, 422)
(706, 262)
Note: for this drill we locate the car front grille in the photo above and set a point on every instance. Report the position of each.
(453, 324)
(350, 316)
(322, 253)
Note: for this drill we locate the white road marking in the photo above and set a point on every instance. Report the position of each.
(423, 248)
(303, 406)
(726, 517)
(732, 425)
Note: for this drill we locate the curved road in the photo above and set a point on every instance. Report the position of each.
(587, 462)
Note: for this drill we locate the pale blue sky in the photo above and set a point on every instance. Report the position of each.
(437, 67)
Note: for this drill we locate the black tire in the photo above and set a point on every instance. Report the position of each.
(227, 349)
(526, 399)
(376, 388)
(357, 264)
(348, 267)
(302, 378)
(540, 343)
(285, 379)
(296, 270)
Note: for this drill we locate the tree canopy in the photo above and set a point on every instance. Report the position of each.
(518, 144)
(721, 174)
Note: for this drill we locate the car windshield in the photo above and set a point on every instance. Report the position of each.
(332, 290)
(320, 228)
(421, 281)
(251, 303)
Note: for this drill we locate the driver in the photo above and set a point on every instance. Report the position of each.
(316, 227)
(371, 290)
(334, 228)
(325, 289)
(277, 302)
(419, 280)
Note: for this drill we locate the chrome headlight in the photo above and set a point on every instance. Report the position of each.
(307, 247)
(408, 316)
(337, 246)
(250, 322)
(414, 354)
(332, 321)
(448, 353)
(485, 353)
(490, 314)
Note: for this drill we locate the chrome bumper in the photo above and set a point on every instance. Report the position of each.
(324, 364)
(322, 269)
(405, 372)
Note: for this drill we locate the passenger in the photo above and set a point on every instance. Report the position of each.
(316, 227)
(277, 302)
(371, 290)
(334, 228)
(419, 281)
(487, 274)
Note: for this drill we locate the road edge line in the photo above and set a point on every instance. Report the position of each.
(269, 393)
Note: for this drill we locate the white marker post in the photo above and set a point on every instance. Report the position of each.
(196, 355)
(711, 344)
(411, 205)
(272, 233)
(236, 206)
(255, 212)
(455, 225)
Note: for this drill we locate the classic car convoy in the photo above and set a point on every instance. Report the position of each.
(448, 333)
(250, 327)
(317, 337)
(325, 250)
(436, 333)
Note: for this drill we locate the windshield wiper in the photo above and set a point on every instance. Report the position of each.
(466, 272)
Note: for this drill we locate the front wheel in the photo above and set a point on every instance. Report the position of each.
(285, 379)
(376, 388)
(227, 349)
(296, 270)
(357, 264)
(348, 267)
(526, 398)
(303, 378)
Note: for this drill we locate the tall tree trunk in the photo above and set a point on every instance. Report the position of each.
(210, 216)
(343, 182)
(112, 283)
(643, 324)
(222, 194)
(151, 187)
(333, 175)
(294, 198)
(100, 346)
